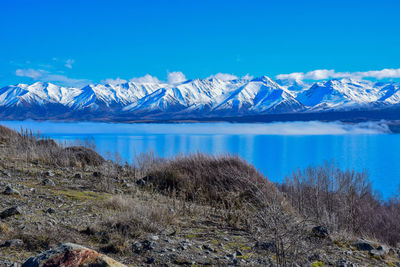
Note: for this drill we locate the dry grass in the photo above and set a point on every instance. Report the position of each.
(130, 217)
(227, 181)
(32, 148)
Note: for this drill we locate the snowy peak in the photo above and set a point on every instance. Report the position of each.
(294, 85)
(339, 94)
(39, 93)
(201, 97)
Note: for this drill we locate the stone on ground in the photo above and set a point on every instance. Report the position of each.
(71, 255)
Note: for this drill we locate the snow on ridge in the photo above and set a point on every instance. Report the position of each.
(260, 95)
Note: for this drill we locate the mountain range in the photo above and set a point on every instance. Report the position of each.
(195, 99)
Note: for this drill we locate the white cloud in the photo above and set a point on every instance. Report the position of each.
(324, 74)
(380, 74)
(46, 76)
(64, 80)
(145, 79)
(31, 73)
(229, 77)
(114, 81)
(319, 74)
(69, 63)
(176, 77)
(291, 76)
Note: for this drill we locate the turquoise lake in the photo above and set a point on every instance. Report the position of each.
(276, 149)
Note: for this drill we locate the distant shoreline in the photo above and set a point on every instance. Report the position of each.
(390, 116)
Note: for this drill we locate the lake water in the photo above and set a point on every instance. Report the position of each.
(275, 149)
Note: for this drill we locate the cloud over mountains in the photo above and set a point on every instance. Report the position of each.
(324, 74)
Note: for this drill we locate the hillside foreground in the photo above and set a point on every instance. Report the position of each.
(194, 210)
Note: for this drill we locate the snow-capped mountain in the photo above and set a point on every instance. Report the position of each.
(199, 98)
(339, 94)
(36, 94)
(294, 85)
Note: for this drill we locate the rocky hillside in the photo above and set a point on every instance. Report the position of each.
(193, 210)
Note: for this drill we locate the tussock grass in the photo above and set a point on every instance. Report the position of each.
(218, 180)
(25, 146)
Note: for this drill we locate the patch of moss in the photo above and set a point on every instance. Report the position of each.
(215, 242)
(245, 256)
(317, 264)
(339, 244)
(235, 245)
(191, 236)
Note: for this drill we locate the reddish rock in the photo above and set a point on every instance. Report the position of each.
(71, 255)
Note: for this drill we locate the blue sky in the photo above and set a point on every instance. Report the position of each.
(75, 42)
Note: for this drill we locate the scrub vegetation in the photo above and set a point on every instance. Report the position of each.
(188, 210)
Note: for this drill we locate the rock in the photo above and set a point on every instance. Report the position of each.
(13, 243)
(183, 247)
(377, 253)
(380, 251)
(71, 255)
(344, 263)
(10, 212)
(232, 256)
(50, 211)
(97, 174)
(148, 245)
(363, 245)
(49, 173)
(48, 182)
(150, 260)
(11, 191)
(207, 247)
(154, 237)
(320, 231)
(137, 247)
(141, 182)
(270, 246)
(383, 248)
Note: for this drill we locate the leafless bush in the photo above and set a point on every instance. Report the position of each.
(343, 201)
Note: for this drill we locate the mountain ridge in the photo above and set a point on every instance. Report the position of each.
(198, 98)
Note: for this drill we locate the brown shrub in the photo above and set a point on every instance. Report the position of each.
(225, 180)
(84, 155)
(30, 147)
(344, 202)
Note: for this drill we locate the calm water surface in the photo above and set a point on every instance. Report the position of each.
(275, 149)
